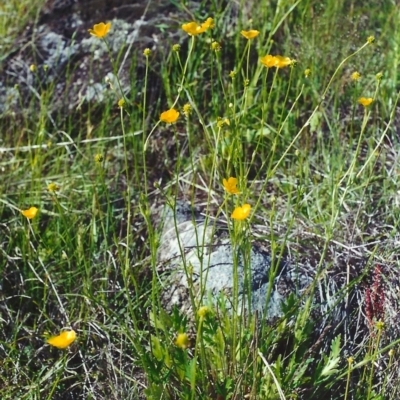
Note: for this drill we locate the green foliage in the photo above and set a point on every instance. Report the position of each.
(318, 169)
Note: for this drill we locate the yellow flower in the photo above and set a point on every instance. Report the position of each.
(221, 122)
(53, 187)
(379, 325)
(98, 158)
(307, 72)
(355, 76)
(170, 116)
(100, 30)
(193, 28)
(203, 311)
(241, 213)
(370, 39)
(283, 61)
(251, 34)
(146, 52)
(230, 185)
(208, 24)
(63, 340)
(182, 341)
(187, 109)
(350, 360)
(121, 103)
(215, 46)
(270, 61)
(365, 101)
(33, 68)
(30, 213)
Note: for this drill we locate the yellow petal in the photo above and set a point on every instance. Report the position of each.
(283, 61)
(251, 34)
(230, 185)
(30, 213)
(170, 116)
(182, 341)
(241, 213)
(365, 101)
(269, 61)
(191, 28)
(63, 340)
(276, 61)
(100, 30)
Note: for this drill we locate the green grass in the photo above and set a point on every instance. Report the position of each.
(320, 172)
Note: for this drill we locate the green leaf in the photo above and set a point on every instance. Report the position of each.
(156, 348)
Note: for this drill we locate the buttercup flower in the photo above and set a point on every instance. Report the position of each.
(182, 341)
(100, 30)
(350, 360)
(30, 213)
(121, 103)
(221, 122)
(187, 109)
(33, 68)
(270, 61)
(203, 311)
(98, 158)
(193, 28)
(379, 325)
(370, 39)
(365, 101)
(283, 61)
(241, 213)
(63, 340)
(170, 116)
(355, 76)
(53, 187)
(230, 185)
(307, 72)
(146, 52)
(251, 34)
(176, 48)
(215, 46)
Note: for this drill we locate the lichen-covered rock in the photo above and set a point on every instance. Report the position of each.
(72, 66)
(196, 255)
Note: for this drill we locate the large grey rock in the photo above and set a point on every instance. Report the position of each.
(197, 255)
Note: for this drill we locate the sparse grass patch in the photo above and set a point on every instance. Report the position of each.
(287, 138)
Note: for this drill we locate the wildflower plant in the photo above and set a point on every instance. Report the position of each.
(277, 165)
